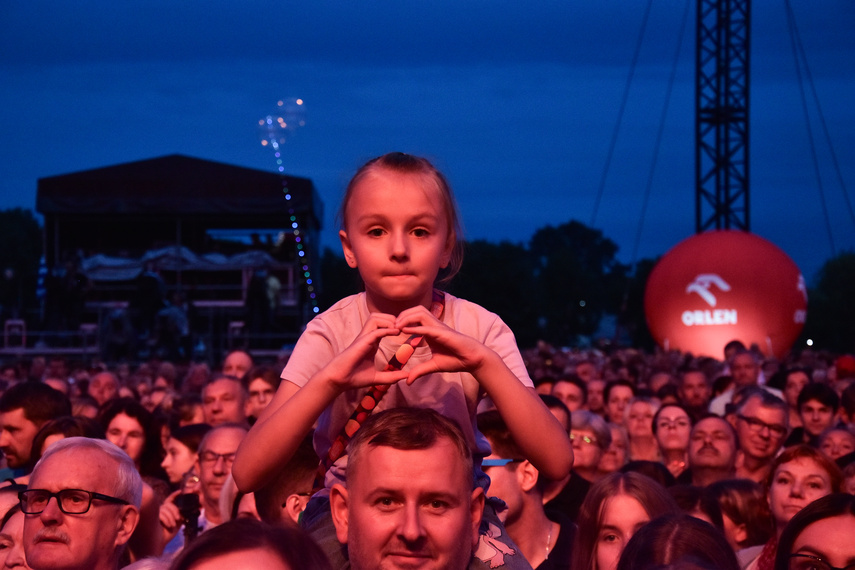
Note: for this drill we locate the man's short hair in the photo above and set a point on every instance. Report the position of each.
(576, 381)
(127, 483)
(407, 429)
(767, 399)
(39, 401)
(269, 374)
(822, 393)
(294, 477)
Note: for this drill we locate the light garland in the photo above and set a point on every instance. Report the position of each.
(273, 131)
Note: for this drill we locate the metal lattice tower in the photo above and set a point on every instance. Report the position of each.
(721, 115)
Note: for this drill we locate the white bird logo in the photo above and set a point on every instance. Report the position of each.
(701, 286)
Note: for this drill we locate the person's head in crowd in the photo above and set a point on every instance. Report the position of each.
(158, 398)
(61, 428)
(591, 437)
(693, 501)
(260, 384)
(198, 375)
(24, 409)
(613, 510)
(391, 461)
(836, 442)
(84, 407)
(558, 409)
(283, 498)
(247, 544)
(761, 423)
(672, 426)
(9, 496)
(658, 379)
(848, 484)
(652, 469)
(617, 395)
(732, 348)
(12, 539)
(638, 419)
(694, 389)
(712, 450)
(596, 391)
(820, 536)
(744, 511)
(182, 451)
(794, 380)
(224, 401)
(543, 384)
(744, 369)
(104, 386)
(587, 371)
(799, 476)
(818, 404)
(131, 427)
(58, 384)
(617, 455)
(82, 505)
(667, 394)
(572, 391)
(847, 405)
(188, 410)
(680, 542)
(237, 363)
(216, 456)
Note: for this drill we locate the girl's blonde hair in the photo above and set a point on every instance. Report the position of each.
(408, 164)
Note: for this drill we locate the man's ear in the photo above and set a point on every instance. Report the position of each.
(338, 508)
(741, 534)
(347, 249)
(476, 511)
(527, 476)
(128, 519)
(293, 506)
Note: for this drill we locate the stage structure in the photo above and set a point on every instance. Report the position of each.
(206, 230)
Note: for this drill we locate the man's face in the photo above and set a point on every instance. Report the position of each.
(237, 364)
(759, 440)
(223, 402)
(570, 394)
(712, 444)
(16, 437)
(55, 540)
(744, 370)
(103, 387)
(595, 395)
(260, 395)
(399, 511)
(816, 416)
(619, 397)
(695, 391)
(212, 467)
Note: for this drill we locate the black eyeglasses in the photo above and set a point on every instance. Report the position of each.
(70, 501)
(810, 562)
(757, 425)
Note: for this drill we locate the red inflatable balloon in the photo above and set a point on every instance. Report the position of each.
(725, 285)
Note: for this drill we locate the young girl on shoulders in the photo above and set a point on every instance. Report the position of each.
(400, 230)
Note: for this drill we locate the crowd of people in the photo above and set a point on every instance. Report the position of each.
(407, 429)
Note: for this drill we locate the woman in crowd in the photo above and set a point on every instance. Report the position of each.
(61, 428)
(614, 509)
(616, 397)
(820, 536)
(672, 426)
(181, 451)
(837, 441)
(616, 456)
(639, 426)
(591, 438)
(130, 426)
(12, 540)
(678, 541)
(799, 476)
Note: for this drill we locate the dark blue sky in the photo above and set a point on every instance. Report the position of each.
(515, 102)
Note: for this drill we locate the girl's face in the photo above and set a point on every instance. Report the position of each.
(615, 456)
(639, 419)
(829, 539)
(623, 515)
(397, 235)
(178, 461)
(795, 382)
(12, 543)
(794, 486)
(673, 429)
(837, 443)
(127, 433)
(619, 397)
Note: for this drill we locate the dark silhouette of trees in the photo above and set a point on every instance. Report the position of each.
(831, 311)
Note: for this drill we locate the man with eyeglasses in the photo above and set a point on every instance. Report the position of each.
(217, 452)
(761, 424)
(81, 506)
